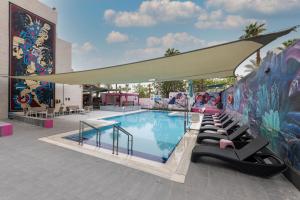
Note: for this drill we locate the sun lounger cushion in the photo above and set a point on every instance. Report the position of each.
(218, 124)
(226, 143)
(221, 131)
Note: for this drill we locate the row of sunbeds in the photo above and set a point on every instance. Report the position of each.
(221, 137)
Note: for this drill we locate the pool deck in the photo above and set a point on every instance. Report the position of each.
(35, 170)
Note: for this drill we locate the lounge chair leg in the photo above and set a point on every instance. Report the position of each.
(194, 158)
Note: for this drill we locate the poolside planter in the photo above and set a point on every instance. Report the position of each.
(48, 123)
(6, 129)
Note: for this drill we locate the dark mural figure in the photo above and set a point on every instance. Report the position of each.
(269, 100)
(32, 51)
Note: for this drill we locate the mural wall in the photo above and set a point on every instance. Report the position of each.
(203, 99)
(32, 51)
(177, 101)
(269, 100)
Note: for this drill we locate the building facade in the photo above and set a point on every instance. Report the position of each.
(29, 45)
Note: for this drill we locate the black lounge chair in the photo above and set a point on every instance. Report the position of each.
(210, 119)
(211, 115)
(212, 129)
(247, 159)
(215, 118)
(234, 135)
(222, 121)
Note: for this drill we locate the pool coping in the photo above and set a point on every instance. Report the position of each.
(175, 169)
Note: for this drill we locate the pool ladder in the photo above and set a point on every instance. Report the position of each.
(116, 130)
(81, 131)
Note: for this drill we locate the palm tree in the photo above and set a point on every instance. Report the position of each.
(127, 88)
(170, 86)
(253, 30)
(251, 67)
(171, 52)
(287, 44)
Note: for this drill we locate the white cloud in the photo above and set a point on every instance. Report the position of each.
(87, 46)
(262, 6)
(127, 19)
(83, 48)
(181, 40)
(152, 12)
(156, 46)
(115, 36)
(217, 20)
(153, 41)
(84, 56)
(143, 54)
(167, 10)
(213, 43)
(82, 63)
(109, 14)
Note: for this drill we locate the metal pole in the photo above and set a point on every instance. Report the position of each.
(79, 138)
(128, 144)
(113, 140)
(131, 144)
(99, 137)
(184, 123)
(63, 103)
(117, 141)
(187, 113)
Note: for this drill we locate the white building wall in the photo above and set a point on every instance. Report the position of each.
(63, 56)
(64, 64)
(63, 52)
(69, 95)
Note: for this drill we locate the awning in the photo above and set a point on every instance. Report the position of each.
(212, 62)
(93, 88)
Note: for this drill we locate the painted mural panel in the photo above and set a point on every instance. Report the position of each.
(203, 99)
(177, 100)
(268, 100)
(32, 51)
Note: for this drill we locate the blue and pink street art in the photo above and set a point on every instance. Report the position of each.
(269, 100)
(32, 51)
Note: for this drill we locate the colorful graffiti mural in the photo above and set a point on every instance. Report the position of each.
(268, 100)
(205, 98)
(177, 100)
(32, 51)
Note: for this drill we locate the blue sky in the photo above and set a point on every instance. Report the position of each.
(110, 32)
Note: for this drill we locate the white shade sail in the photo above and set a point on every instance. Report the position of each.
(212, 62)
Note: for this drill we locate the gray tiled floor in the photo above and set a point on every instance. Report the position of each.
(34, 170)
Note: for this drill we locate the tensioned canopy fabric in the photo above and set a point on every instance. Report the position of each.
(212, 62)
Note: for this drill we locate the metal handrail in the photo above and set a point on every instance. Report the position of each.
(116, 130)
(186, 121)
(81, 130)
(186, 117)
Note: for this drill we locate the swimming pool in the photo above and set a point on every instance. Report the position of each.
(155, 134)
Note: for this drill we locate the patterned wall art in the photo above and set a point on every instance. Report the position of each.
(269, 100)
(32, 52)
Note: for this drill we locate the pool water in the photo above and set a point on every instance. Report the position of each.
(155, 134)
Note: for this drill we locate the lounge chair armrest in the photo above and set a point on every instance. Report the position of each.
(226, 143)
(218, 124)
(221, 131)
(268, 155)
